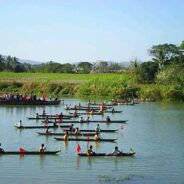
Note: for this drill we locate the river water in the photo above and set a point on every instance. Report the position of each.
(155, 131)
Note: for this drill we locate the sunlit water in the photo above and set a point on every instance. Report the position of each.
(154, 130)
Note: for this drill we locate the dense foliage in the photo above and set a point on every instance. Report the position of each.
(162, 78)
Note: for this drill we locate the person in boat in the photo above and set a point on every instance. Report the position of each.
(97, 136)
(71, 128)
(46, 120)
(116, 151)
(97, 129)
(75, 113)
(108, 119)
(81, 119)
(19, 124)
(77, 131)
(42, 148)
(113, 110)
(43, 113)
(37, 116)
(65, 136)
(66, 107)
(88, 119)
(91, 112)
(61, 116)
(55, 123)
(1, 149)
(47, 130)
(90, 151)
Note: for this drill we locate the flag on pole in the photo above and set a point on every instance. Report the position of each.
(21, 150)
(44, 95)
(78, 148)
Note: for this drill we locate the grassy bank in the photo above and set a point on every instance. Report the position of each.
(103, 86)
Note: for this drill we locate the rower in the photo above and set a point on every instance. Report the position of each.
(97, 128)
(19, 124)
(77, 131)
(90, 151)
(47, 130)
(75, 113)
(113, 110)
(88, 119)
(65, 136)
(71, 128)
(1, 149)
(97, 136)
(81, 119)
(46, 120)
(37, 115)
(116, 151)
(43, 114)
(61, 115)
(42, 148)
(108, 119)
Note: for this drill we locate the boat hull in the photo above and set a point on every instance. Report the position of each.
(62, 134)
(29, 153)
(80, 139)
(107, 154)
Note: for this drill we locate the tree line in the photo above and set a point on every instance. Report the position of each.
(167, 64)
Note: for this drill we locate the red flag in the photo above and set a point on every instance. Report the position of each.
(78, 148)
(21, 150)
(44, 95)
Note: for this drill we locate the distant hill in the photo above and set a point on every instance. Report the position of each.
(27, 61)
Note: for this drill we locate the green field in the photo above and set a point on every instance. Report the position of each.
(55, 77)
(91, 86)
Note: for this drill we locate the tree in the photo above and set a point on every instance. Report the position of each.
(147, 72)
(114, 67)
(100, 67)
(84, 67)
(163, 53)
(67, 68)
(2, 63)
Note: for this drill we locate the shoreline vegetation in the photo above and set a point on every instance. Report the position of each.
(161, 78)
(88, 86)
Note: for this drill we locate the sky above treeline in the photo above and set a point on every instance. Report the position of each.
(88, 30)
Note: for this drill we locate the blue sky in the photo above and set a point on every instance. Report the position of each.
(88, 30)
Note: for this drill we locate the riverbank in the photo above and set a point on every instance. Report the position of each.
(88, 86)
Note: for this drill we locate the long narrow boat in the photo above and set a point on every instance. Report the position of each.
(84, 108)
(98, 104)
(28, 102)
(107, 154)
(92, 130)
(49, 117)
(35, 127)
(90, 121)
(55, 116)
(29, 153)
(82, 139)
(61, 134)
(96, 113)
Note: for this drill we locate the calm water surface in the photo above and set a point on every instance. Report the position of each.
(154, 130)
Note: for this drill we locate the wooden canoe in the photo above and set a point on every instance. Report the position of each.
(28, 102)
(92, 130)
(29, 153)
(49, 117)
(90, 121)
(62, 134)
(107, 154)
(82, 139)
(35, 127)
